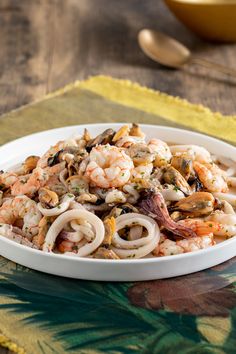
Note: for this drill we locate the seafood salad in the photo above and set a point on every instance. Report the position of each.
(118, 196)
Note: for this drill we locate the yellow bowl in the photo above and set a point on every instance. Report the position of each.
(210, 19)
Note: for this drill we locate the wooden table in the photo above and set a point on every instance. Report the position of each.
(47, 44)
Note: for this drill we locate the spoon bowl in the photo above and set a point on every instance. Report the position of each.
(163, 49)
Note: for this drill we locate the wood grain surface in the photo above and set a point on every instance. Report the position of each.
(46, 44)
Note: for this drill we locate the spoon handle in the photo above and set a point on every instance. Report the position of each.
(208, 64)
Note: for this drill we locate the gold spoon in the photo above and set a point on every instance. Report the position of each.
(169, 52)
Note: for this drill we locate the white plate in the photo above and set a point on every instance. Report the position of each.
(113, 270)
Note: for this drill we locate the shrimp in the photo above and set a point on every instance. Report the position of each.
(201, 227)
(108, 167)
(66, 246)
(162, 152)
(70, 246)
(21, 207)
(7, 179)
(218, 224)
(30, 184)
(194, 152)
(196, 243)
(142, 171)
(55, 169)
(169, 247)
(227, 223)
(211, 176)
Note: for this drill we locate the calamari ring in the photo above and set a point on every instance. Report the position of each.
(136, 248)
(66, 217)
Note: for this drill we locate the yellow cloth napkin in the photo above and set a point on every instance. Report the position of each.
(104, 99)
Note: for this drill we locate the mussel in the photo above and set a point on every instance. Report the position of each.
(197, 204)
(173, 176)
(102, 139)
